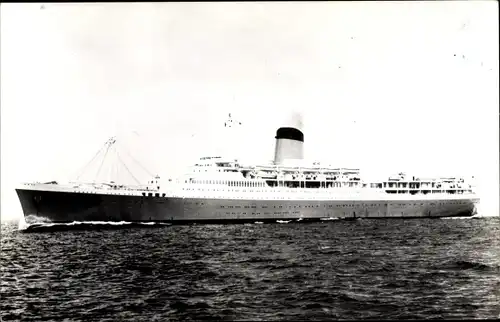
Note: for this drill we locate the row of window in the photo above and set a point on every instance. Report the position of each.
(279, 213)
(350, 205)
(311, 190)
(257, 213)
(151, 194)
(194, 203)
(330, 206)
(317, 206)
(230, 183)
(329, 182)
(344, 205)
(262, 184)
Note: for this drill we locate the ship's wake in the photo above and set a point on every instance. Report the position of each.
(44, 226)
(329, 218)
(459, 218)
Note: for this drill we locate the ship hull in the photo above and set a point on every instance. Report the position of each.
(64, 207)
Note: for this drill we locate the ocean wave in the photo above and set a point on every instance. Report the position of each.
(467, 265)
(385, 270)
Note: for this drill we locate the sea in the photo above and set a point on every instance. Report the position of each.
(388, 269)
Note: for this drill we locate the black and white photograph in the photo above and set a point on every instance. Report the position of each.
(249, 161)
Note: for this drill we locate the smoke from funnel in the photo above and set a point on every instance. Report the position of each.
(296, 120)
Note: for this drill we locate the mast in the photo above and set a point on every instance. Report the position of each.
(232, 142)
(113, 149)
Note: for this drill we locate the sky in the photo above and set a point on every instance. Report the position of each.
(382, 86)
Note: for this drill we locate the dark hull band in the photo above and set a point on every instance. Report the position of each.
(67, 207)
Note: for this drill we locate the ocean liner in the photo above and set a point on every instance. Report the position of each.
(222, 190)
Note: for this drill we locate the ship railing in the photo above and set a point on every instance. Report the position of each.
(110, 186)
(296, 195)
(337, 185)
